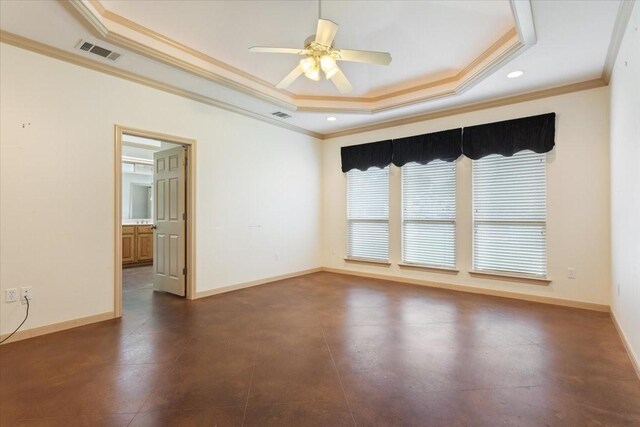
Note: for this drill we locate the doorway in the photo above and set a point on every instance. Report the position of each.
(154, 215)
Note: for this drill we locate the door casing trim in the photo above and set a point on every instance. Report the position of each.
(190, 262)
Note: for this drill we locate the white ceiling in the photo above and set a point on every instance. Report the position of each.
(572, 42)
(226, 29)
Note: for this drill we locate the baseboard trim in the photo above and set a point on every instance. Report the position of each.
(475, 290)
(57, 327)
(61, 326)
(216, 291)
(635, 360)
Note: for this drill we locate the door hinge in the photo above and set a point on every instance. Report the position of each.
(184, 271)
(184, 216)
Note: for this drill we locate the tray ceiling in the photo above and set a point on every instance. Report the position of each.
(446, 37)
(445, 54)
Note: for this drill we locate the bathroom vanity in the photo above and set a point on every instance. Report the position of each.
(137, 245)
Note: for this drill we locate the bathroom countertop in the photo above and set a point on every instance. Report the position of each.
(133, 222)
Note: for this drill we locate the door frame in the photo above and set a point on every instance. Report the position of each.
(190, 249)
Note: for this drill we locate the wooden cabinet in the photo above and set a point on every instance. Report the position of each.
(144, 246)
(137, 245)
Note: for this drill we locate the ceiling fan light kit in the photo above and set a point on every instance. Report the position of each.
(329, 66)
(310, 68)
(321, 55)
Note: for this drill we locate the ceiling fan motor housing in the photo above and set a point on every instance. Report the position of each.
(309, 40)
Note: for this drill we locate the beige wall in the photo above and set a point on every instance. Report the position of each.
(578, 199)
(625, 185)
(259, 191)
(258, 187)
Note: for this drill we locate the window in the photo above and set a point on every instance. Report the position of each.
(510, 213)
(368, 214)
(429, 214)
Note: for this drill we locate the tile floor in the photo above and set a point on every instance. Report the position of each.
(324, 350)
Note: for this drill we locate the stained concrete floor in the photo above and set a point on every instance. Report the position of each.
(324, 350)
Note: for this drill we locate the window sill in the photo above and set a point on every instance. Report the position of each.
(510, 277)
(368, 261)
(446, 270)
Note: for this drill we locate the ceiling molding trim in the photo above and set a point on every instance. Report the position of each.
(502, 51)
(43, 49)
(526, 37)
(180, 46)
(524, 17)
(510, 37)
(506, 48)
(92, 17)
(545, 93)
(137, 38)
(121, 32)
(622, 20)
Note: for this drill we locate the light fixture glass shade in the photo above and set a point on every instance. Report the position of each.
(308, 64)
(310, 68)
(313, 74)
(328, 65)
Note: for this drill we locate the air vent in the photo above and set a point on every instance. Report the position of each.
(100, 51)
(97, 50)
(85, 46)
(281, 115)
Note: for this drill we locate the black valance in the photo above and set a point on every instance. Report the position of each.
(535, 133)
(364, 156)
(445, 145)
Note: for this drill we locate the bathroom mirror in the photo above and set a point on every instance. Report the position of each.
(141, 201)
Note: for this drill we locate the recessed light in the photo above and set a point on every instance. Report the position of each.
(331, 119)
(515, 74)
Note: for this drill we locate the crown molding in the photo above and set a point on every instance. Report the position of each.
(43, 49)
(499, 102)
(132, 36)
(497, 55)
(619, 28)
(122, 32)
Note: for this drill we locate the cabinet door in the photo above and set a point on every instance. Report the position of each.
(144, 247)
(128, 248)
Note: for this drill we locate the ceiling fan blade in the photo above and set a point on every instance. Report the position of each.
(341, 82)
(326, 32)
(380, 58)
(263, 49)
(291, 77)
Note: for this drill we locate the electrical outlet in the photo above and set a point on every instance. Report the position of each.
(11, 295)
(26, 292)
(571, 273)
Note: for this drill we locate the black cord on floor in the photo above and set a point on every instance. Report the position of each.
(25, 319)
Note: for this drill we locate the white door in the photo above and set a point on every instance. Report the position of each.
(169, 221)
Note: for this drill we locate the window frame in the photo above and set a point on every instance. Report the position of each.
(510, 273)
(349, 221)
(453, 222)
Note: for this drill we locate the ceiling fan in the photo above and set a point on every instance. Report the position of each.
(321, 55)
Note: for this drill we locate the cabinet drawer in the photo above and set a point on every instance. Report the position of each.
(144, 229)
(128, 229)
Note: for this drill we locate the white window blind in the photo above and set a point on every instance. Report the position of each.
(429, 214)
(368, 214)
(510, 214)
